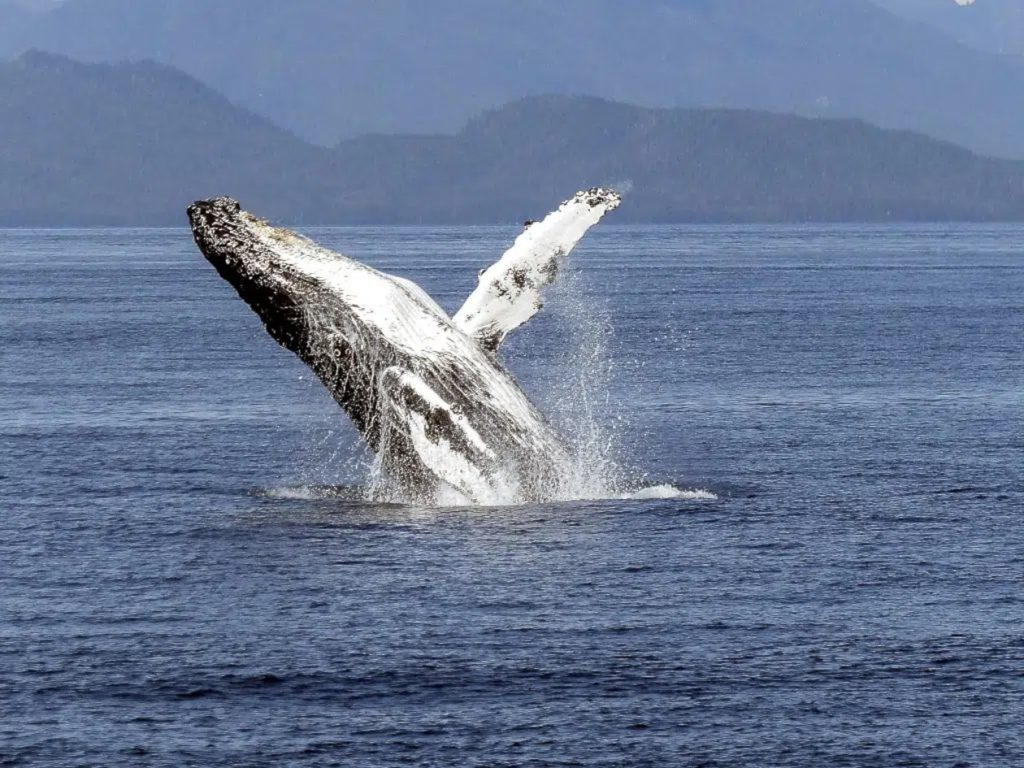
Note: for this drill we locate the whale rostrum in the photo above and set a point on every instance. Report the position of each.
(427, 391)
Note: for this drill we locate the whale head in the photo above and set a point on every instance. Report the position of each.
(303, 294)
(232, 240)
(293, 283)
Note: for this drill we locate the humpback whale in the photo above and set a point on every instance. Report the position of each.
(428, 393)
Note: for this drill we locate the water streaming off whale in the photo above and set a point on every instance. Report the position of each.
(446, 421)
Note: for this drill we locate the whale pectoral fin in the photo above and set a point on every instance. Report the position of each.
(509, 292)
(444, 441)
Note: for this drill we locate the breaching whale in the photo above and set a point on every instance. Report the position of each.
(427, 391)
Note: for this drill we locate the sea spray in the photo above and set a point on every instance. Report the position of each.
(565, 360)
(428, 391)
(575, 388)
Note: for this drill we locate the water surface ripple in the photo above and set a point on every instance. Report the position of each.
(182, 582)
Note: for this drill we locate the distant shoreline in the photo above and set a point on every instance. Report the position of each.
(840, 223)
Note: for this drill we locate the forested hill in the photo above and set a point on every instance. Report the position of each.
(680, 165)
(133, 144)
(331, 69)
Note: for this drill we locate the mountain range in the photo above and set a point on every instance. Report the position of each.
(133, 144)
(333, 69)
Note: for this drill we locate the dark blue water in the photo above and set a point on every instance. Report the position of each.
(171, 596)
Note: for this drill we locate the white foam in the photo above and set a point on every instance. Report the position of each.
(314, 492)
(450, 497)
(297, 492)
(667, 491)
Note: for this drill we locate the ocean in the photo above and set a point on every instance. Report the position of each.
(190, 575)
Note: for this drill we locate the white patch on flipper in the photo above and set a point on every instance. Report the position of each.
(462, 482)
(509, 292)
(434, 400)
(462, 479)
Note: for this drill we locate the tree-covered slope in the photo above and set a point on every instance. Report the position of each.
(332, 68)
(135, 143)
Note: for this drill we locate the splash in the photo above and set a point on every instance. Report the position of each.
(575, 389)
(671, 492)
(366, 494)
(429, 393)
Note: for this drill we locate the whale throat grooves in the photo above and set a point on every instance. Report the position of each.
(446, 420)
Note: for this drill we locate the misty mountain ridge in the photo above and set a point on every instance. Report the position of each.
(987, 25)
(134, 143)
(327, 69)
(116, 143)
